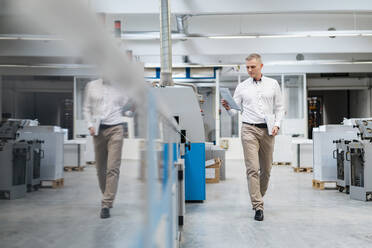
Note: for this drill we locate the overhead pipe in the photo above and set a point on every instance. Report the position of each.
(165, 44)
(181, 24)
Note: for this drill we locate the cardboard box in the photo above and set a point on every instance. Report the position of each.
(212, 170)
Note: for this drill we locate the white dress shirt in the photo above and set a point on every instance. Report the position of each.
(103, 103)
(258, 100)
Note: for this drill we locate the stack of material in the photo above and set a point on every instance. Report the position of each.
(302, 153)
(212, 152)
(212, 170)
(74, 153)
(282, 149)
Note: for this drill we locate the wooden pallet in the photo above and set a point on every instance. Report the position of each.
(54, 184)
(73, 168)
(322, 184)
(303, 169)
(281, 163)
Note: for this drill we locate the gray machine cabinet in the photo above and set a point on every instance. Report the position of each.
(361, 170)
(325, 166)
(52, 164)
(342, 155)
(13, 157)
(33, 164)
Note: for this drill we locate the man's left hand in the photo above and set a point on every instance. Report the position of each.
(275, 130)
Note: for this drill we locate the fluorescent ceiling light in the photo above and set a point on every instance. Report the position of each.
(48, 66)
(319, 62)
(176, 36)
(283, 36)
(29, 37)
(233, 37)
(334, 34)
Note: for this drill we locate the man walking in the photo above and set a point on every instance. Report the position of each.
(103, 111)
(260, 100)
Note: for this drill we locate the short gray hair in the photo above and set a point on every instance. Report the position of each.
(255, 56)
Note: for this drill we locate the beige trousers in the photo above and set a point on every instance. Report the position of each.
(258, 148)
(107, 146)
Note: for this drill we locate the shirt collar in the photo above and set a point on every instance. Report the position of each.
(258, 81)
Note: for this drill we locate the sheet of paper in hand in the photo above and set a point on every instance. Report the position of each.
(226, 95)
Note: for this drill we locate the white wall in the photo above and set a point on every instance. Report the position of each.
(344, 83)
(1, 98)
(360, 103)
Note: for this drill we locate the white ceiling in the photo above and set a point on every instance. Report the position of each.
(207, 17)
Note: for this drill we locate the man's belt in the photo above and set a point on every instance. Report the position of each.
(259, 125)
(103, 126)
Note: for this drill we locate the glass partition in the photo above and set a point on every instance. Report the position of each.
(294, 96)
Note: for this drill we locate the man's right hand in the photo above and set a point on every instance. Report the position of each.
(92, 131)
(225, 104)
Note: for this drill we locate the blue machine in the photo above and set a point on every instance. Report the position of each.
(183, 105)
(195, 172)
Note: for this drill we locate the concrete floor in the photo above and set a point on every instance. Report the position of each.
(69, 216)
(295, 214)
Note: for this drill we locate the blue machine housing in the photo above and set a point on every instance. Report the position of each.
(195, 172)
(183, 104)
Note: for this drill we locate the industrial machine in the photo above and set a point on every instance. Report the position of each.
(181, 191)
(13, 158)
(51, 166)
(361, 163)
(325, 166)
(36, 153)
(342, 154)
(181, 102)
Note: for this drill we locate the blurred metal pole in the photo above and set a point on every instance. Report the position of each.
(217, 107)
(165, 44)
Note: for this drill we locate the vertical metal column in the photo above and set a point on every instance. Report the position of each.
(239, 113)
(165, 44)
(306, 117)
(151, 170)
(217, 107)
(1, 96)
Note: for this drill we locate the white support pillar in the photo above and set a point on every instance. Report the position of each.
(306, 122)
(217, 107)
(240, 113)
(1, 98)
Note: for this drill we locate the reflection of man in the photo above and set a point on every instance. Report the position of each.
(260, 98)
(103, 107)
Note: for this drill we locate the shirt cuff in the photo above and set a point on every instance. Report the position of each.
(90, 125)
(277, 123)
(231, 112)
